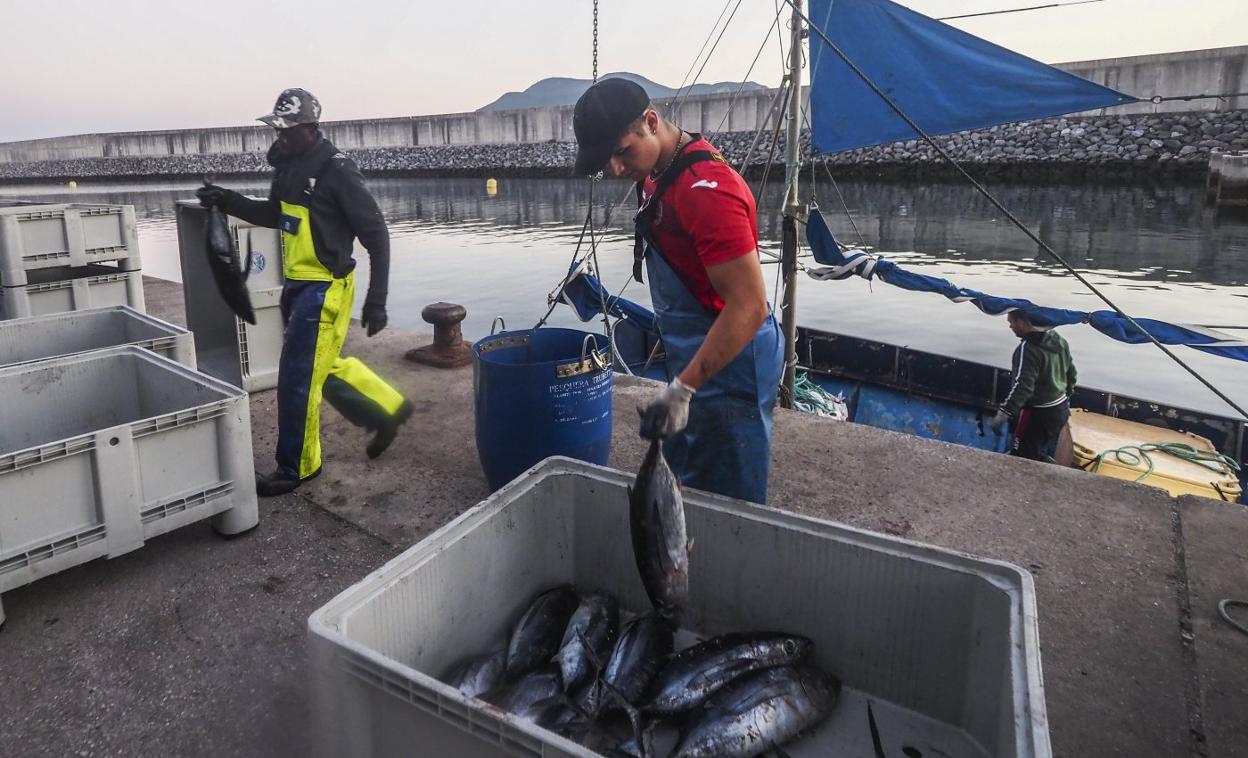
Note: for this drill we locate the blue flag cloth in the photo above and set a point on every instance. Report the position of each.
(945, 79)
(838, 264)
(586, 295)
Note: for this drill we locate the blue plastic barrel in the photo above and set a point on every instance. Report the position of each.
(538, 393)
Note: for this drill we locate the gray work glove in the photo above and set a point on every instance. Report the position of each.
(668, 412)
(998, 422)
(373, 318)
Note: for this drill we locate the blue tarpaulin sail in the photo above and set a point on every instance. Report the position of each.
(586, 295)
(945, 79)
(840, 264)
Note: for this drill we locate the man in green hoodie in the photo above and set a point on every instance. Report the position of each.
(1042, 381)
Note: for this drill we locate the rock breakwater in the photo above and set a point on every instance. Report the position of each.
(1143, 144)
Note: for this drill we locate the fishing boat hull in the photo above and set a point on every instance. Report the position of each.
(940, 397)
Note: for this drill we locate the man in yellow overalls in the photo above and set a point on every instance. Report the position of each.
(319, 201)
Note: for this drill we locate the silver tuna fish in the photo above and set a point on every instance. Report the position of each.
(644, 644)
(539, 632)
(534, 696)
(760, 712)
(588, 639)
(477, 676)
(660, 543)
(695, 673)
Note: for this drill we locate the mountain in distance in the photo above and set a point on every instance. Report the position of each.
(556, 91)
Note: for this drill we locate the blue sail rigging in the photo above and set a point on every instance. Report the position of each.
(842, 265)
(586, 296)
(945, 79)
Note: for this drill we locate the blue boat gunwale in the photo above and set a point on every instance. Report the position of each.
(976, 387)
(942, 377)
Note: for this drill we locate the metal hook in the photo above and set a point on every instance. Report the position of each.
(498, 321)
(595, 355)
(590, 361)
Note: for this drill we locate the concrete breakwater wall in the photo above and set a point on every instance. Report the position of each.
(1141, 143)
(1218, 70)
(718, 112)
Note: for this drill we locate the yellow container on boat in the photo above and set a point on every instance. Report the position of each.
(1093, 434)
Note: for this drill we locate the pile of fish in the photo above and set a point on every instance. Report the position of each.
(569, 665)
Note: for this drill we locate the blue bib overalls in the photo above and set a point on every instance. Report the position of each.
(726, 448)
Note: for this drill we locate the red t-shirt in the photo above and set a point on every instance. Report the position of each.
(706, 217)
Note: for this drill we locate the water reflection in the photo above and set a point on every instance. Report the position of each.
(1156, 250)
(1153, 233)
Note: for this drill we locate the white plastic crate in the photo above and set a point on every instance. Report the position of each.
(58, 290)
(103, 450)
(944, 645)
(260, 345)
(25, 340)
(64, 234)
(229, 348)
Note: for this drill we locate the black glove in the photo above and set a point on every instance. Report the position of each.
(373, 318)
(212, 196)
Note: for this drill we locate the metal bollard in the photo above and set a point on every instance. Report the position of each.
(448, 349)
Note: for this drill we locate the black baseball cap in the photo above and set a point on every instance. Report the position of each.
(601, 116)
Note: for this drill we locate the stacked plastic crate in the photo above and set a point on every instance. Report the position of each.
(108, 434)
(67, 257)
(39, 338)
(83, 478)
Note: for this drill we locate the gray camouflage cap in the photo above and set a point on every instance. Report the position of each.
(293, 107)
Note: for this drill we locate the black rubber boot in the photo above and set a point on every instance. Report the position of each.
(268, 485)
(387, 431)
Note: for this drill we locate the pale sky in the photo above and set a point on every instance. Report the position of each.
(78, 66)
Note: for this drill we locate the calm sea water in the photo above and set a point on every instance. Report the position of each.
(1157, 251)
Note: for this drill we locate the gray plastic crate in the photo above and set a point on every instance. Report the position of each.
(229, 348)
(59, 290)
(103, 450)
(942, 644)
(37, 338)
(64, 234)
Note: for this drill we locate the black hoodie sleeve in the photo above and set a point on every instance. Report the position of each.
(1023, 383)
(266, 213)
(367, 224)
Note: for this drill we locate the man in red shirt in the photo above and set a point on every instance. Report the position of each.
(697, 233)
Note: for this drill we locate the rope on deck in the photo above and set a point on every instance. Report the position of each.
(809, 397)
(1223, 605)
(1135, 455)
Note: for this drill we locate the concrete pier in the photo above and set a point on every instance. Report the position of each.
(1213, 179)
(1232, 182)
(194, 645)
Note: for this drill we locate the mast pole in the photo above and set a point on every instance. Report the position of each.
(788, 255)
